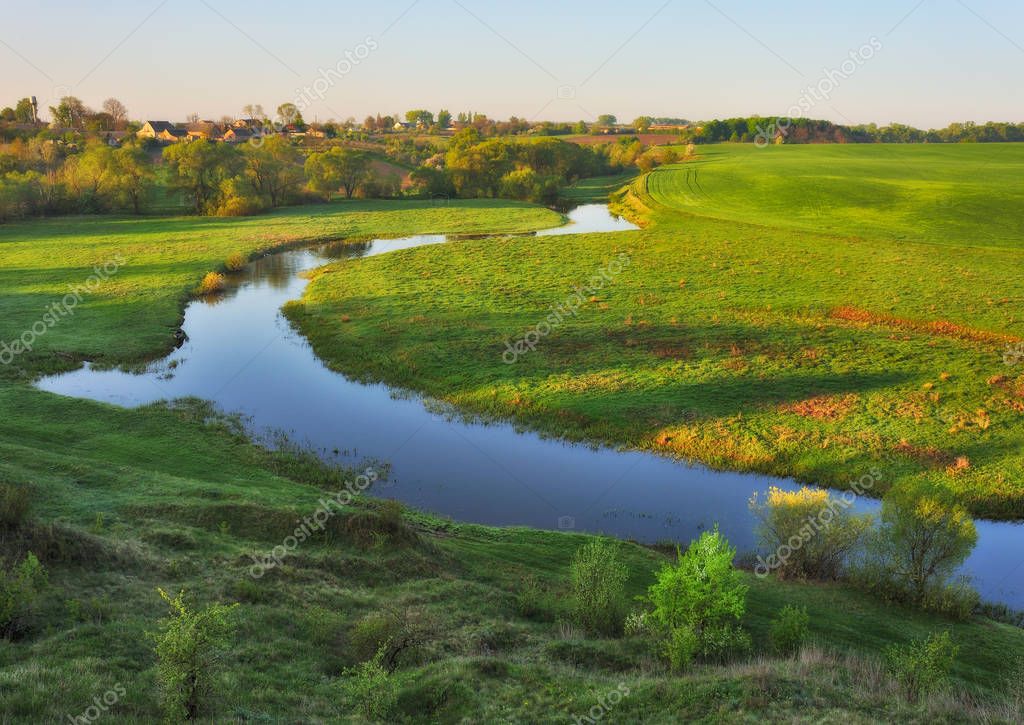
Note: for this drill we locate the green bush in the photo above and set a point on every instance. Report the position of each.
(598, 587)
(371, 688)
(696, 598)
(14, 505)
(724, 642)
(189, 647)
(21, 588)
(922, 666)
(789, 630)
(681, 647)
(534, 601)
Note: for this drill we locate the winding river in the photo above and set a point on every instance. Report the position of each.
(244, 356)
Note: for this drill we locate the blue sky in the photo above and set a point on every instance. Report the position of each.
(932, 61)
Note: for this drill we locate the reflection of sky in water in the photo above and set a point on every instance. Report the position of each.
(243, 355)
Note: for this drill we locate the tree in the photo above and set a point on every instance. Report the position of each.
(922, 539)
(199, 168)
(7, 114)
(118, 113)
(254, 110)
(420, 116)
(289, 114)
(71, 112)
(274, 168)
(133, 171)
(340, 167)
(695, 600)
(189, 646)
(87, 175)
(444, 118)
(598, 578)
(642, 124)
(24, 111)
(606, 119)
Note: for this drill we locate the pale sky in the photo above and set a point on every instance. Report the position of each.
(930, 62)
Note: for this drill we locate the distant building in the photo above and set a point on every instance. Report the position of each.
(161, 131)
(239, 134)
(205, 131)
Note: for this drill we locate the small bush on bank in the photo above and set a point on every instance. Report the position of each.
(21, 588)
(598, 579)
(212, 283)
(536, 602)
(789, 629)
(189, 647)
(697, 601)
(371, 687)
(235, 262)
(922, 666)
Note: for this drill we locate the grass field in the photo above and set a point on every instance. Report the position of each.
(752, 346)
(125, 501)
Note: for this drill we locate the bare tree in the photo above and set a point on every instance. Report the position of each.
(118, 113)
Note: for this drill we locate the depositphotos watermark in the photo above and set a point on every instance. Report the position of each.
(315, 522)
(101, 704)
(571, 306)
(816, 523)
(818, 92)
(57, 311)
(309, 94)
(603, 707)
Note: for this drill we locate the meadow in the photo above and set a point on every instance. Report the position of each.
(122, 502)
(736, 336)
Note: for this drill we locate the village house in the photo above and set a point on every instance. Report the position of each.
(239, 134)
(204, 130)
(161, 131)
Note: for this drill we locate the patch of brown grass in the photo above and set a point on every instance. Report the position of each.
(823, 407)
(927, 455)
(939, 328)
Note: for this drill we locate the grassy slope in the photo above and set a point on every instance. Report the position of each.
(749, 346)
(126, 501)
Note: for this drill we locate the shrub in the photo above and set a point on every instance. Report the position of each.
(598, 585)
(371, 687)
(189, 647)
(807, 533)
(212, 283)
(400, 633)
(789, 630)
(922, 666)
(534, 601)
(14, 505)
(21, 589)
(721, 643)
(235, 262)
(922, 539)
(694, 599)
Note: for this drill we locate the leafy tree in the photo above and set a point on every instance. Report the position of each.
(922, 539)
(340, 167)
(7, 114)
(189, 647)
(607, 119)
(71, 112)
(24, 111)
(421, 116)
(444, 118)
(289, 114)
(598, 579)
(642, 124)
(87, 175)
(695, 600)
(134, 174)
(274, 168)
(199, 168)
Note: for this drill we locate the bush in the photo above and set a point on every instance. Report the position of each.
(789, 630)
(598, 587)
(921, 541)
(235, 262)
(14, 505)
(534, 601)
(697, 597)
(400, 633)
(189, 647)
(721, 643)
(21, 589)
(922, 666)
(371, 688)
(212, 283)
(807, 533)
(681, 647)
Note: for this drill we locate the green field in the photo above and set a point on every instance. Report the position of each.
(750, 346)
(125, 501)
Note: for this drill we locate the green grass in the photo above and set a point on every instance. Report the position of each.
(758, 347)
(595, 189)
(125, 501)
